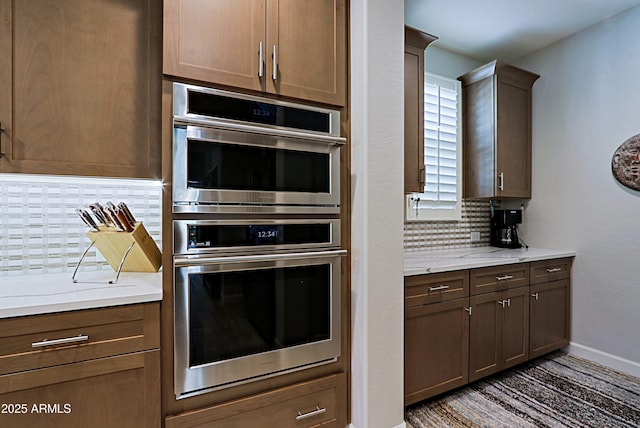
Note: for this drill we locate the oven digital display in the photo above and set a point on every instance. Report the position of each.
(252, 235)
(260, 235)
(214, 105)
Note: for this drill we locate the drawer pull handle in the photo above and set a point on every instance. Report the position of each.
(317, 411)
(535, 296)
(47, 342)
(439, 288)
(552, 270)
(504, 277)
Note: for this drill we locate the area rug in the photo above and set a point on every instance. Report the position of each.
(559, 390)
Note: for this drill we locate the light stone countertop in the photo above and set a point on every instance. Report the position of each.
(48, 293)
(434, 261)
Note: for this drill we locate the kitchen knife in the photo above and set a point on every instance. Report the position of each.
(87, 219)
(113, 218)
(124, 220)
(127, 212)
(98, 212)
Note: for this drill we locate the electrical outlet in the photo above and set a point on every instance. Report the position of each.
(475, 236)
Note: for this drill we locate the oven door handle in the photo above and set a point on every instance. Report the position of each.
(229, 126)
(199, 260)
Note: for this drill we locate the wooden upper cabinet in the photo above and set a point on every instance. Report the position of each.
(497, 131)
(284, 47)
(216, 41)
(80, 86)
(415, 42)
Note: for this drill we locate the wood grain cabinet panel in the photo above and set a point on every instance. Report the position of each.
(320, 402)
(499, 331)
(216, 41)
(436, 349)
(107, 375)
(550, 270)
(415, 42)
(550, 317)
(497, 131)
(498, 278)
(108, 331)
(80, 84)
(435, 287)
(284, 47)
(121, 391)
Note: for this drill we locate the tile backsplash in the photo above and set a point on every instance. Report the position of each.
(40, 231)
(428, 235)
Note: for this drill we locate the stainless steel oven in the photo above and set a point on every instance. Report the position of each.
(236, 153)
(254, 298)
(239, 318)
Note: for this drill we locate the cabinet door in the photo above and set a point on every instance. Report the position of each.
(307, 49)
(484, 336)
(216, 41)
(513, 148)
(549, 328)
(80, 87)
(514, 327)
(436, 341)
(121, 391)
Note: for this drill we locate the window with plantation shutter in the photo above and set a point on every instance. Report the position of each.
(442, 158)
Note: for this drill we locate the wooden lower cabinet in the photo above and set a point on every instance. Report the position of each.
(549, 317)
(320, 402)
(499, 331)
(121, 391)
(513, 313)
(436, 349)
(96, 368)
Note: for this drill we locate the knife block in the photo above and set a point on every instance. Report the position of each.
(136, 250)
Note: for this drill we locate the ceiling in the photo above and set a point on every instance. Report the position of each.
(506, 29)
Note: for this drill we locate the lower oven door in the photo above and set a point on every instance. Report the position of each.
(241, 318)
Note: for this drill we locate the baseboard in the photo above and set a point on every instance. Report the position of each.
(402, 425)
(617, 363)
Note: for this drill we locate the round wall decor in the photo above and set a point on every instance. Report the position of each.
(625, 163)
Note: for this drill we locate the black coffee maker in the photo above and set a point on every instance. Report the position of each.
(504, 230)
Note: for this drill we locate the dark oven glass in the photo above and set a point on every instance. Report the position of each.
(240, 313)
(250, 110)
(223, 166)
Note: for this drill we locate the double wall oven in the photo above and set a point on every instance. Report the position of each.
(256, 238)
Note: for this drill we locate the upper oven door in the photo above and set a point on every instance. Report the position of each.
(229, 171)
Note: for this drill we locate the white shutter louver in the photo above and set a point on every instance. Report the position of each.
(441, 144)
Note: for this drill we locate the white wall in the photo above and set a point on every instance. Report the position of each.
(446, 63)
(586, 103)
(377, 133)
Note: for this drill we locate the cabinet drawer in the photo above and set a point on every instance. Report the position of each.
(320, 402)
(498, 278)
(437, 287)
(40, 341)
(550, 270)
